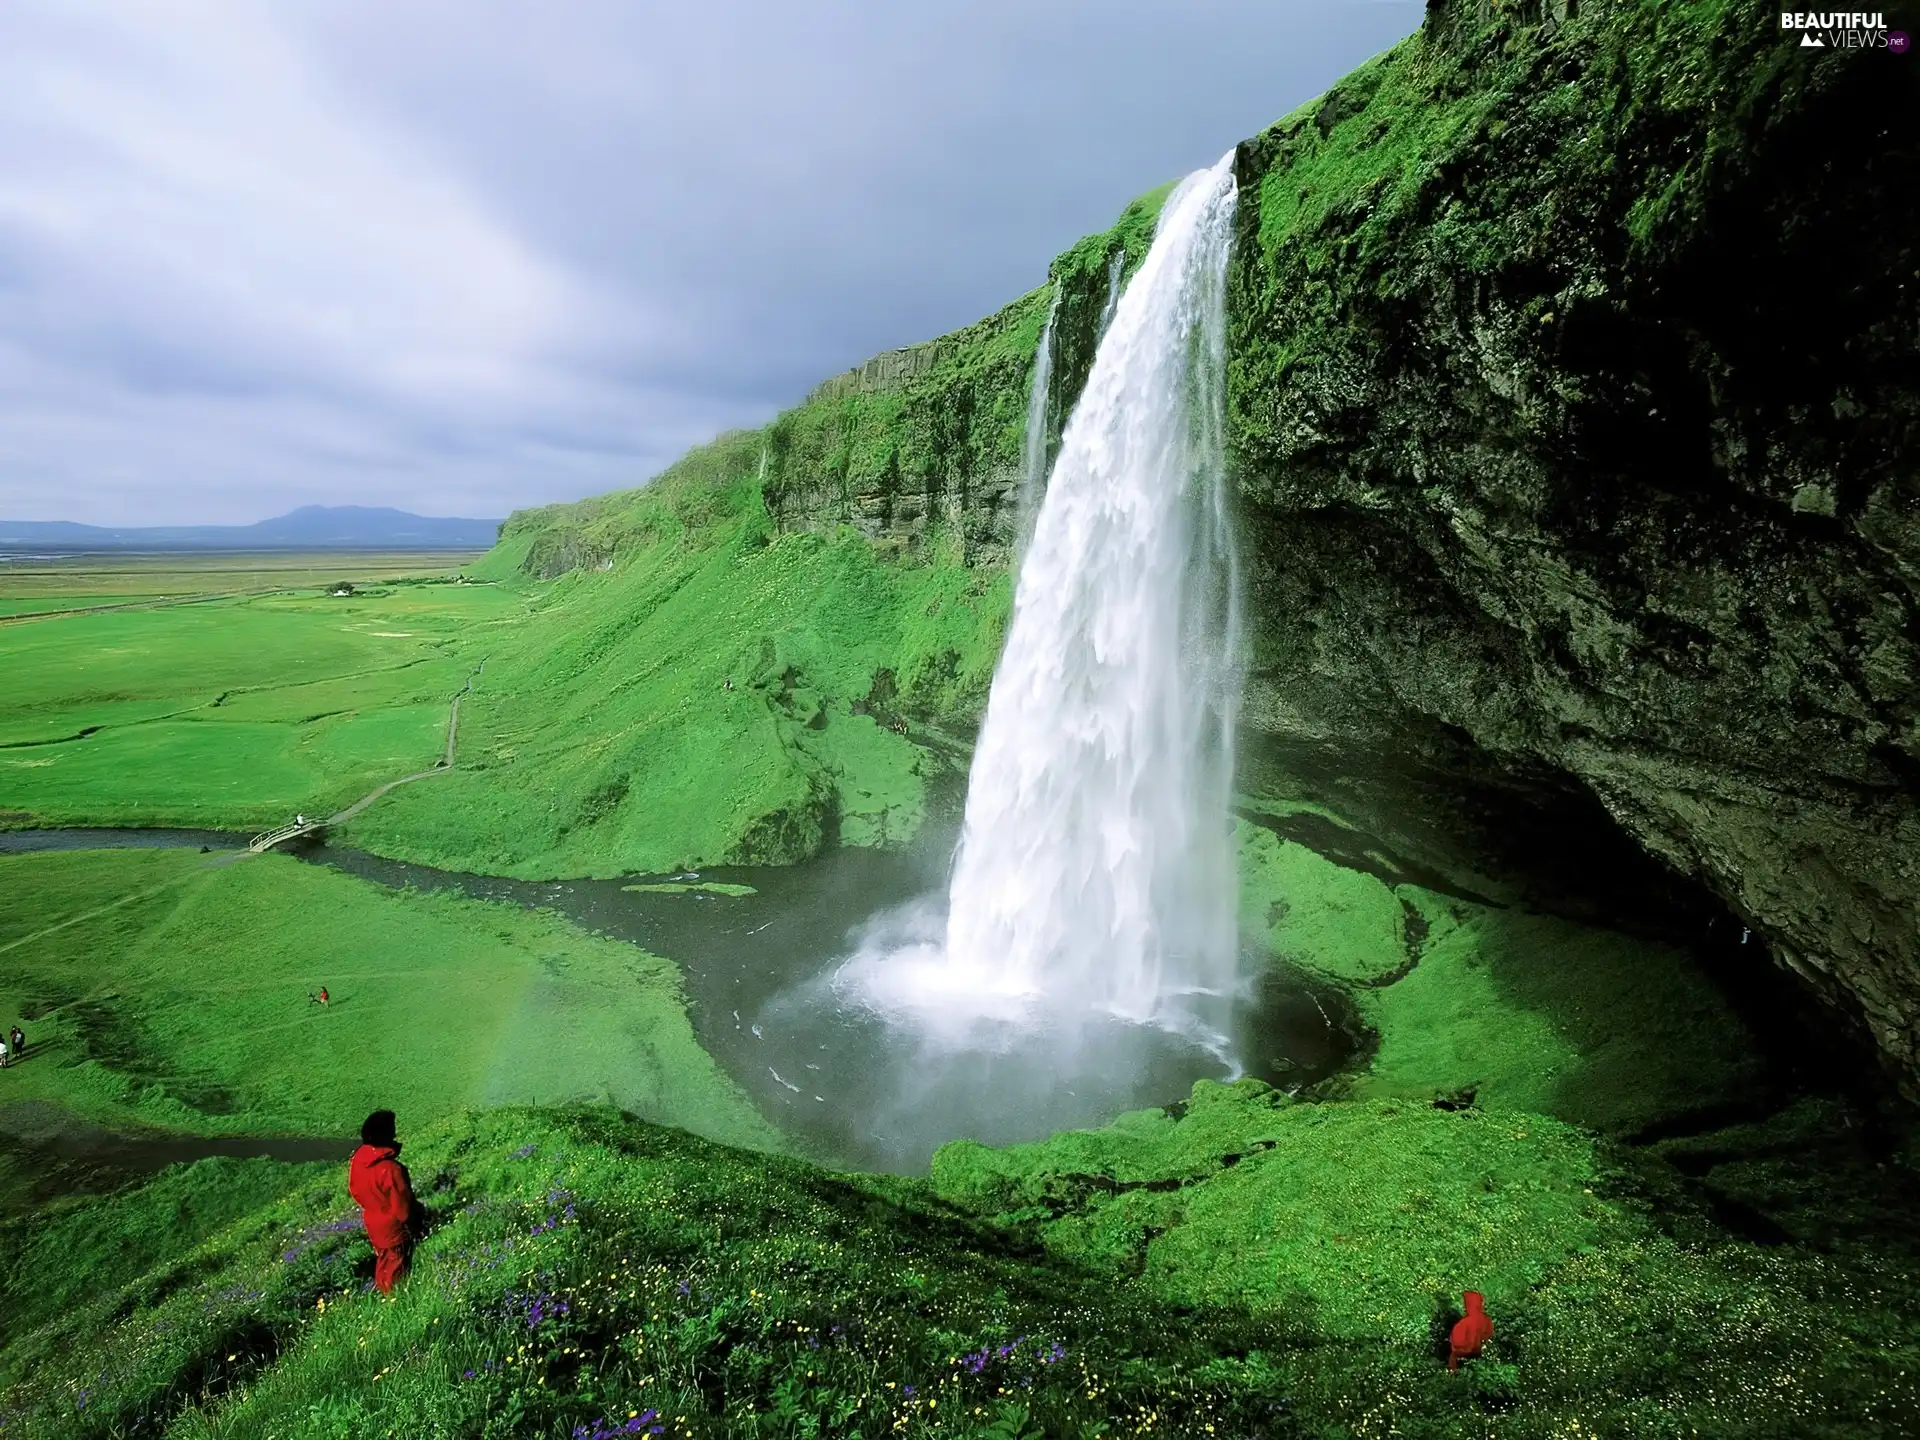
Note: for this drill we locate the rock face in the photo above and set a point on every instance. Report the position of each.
(1576, 399)
(924, 444)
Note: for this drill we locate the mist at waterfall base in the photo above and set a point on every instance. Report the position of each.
(1085, 956)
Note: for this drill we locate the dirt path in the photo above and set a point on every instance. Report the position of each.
(88, 915)
(444, 766)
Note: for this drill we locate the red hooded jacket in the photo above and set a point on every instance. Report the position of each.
(1471, 1331)
(380, 1186)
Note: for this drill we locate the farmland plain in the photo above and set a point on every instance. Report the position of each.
(209, 708)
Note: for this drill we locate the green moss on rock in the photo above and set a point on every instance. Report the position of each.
(1559, 459)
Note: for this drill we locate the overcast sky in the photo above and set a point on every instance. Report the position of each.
(461, 258)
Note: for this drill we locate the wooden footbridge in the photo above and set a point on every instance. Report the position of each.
(303, 826)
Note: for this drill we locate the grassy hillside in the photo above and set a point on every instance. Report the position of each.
(1251, 1268)
(167, 988)
(712, 689)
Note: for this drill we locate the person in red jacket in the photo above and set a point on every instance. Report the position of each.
(1470, 1332)
(381, 1187)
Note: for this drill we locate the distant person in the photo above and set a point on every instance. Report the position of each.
(1472, 1331)
(320, 998)
(19, 1039)
(3, 1055)
(381, 1187)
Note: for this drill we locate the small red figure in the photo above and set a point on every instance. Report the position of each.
(1471, 1331)
(379, 1184)
(321, 998)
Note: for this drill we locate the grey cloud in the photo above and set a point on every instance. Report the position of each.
(461, 259)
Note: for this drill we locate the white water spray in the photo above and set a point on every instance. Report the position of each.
(1095, 874)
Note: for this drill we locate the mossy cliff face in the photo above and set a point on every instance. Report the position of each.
(1576, 405)
(927, 442)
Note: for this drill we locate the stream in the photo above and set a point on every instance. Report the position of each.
(52, 1153)
(847, 1089)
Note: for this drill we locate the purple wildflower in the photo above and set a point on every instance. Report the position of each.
(534, 1309)
(647, 1420)
(314, 1234)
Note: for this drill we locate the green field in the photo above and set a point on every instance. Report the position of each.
(1529, 1012)
(57, 581)
(167, 988)
(607, 732)
(14, 605)
(234, 713)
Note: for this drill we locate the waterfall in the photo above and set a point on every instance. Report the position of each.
(1116, 265)
(1033, 458)
(1095, 875)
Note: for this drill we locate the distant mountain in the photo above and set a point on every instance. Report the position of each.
(311, 527)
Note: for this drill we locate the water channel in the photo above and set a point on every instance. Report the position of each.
(845, 1087)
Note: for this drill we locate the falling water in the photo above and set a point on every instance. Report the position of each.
(1033, 459)
(1116, 266)
(1095, 873)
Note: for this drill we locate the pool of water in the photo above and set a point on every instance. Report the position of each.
(52, 1152)
(758, 952)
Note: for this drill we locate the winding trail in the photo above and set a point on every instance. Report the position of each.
(444, 766)
(73, 920)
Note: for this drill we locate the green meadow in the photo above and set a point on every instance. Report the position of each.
(606, 731)
(234, 713)
(33, 583)
(1528, 1012)
(169, 989)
